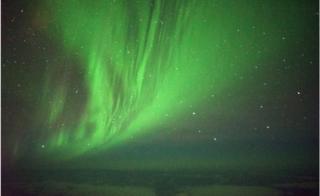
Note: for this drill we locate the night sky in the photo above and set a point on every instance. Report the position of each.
(200, 84)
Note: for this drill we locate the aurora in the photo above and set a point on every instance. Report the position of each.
(144, 63)
(121, 70)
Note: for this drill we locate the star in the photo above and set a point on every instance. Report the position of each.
(268, 127)
(43, 146)
(194, 113)
(215, 139)
(298, 93)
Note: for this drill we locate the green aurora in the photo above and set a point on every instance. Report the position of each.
(145, 64)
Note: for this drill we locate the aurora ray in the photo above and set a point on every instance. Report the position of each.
(140, 60)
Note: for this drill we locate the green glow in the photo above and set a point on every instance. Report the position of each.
(144, 63)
